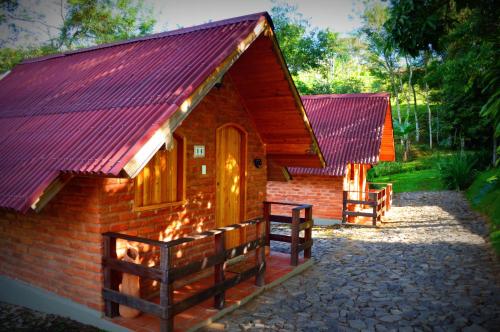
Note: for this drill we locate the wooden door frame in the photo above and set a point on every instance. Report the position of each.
(243, 167)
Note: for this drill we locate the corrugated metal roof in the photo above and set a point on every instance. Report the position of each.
(348, 127)
(89, 111)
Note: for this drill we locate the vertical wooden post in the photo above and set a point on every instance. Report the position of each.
(260, 256)
(294, 260)
(373, 198)
(110, 277)
(219, 299)
(266, 214)
(383, 197)
(166, 291)
(389, 198)
(344, 206)
(308, 231)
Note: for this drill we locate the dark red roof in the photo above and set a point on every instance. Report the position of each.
(90, 111)
(348, 127)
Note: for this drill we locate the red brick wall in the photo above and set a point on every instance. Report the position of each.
(323, 192)
(60, 248)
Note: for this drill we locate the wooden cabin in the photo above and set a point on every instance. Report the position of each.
(354, 132)
(155, 138)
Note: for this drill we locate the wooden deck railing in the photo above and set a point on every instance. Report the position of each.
(298, 224)
(379, 201)
(166, 273)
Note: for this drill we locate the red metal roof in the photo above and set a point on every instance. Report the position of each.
(348, 127)
(89, 111)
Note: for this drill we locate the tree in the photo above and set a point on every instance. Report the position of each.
(83, 23)
(90, 22)
(464, 37)
(299, 47)
(319, 60)
(383, 55)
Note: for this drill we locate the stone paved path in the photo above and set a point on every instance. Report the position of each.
(16, 318)
(427, 269)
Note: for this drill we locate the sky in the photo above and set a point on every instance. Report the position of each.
(338, 15)
(341, 16)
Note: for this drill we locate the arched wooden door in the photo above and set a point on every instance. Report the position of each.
(230, 163)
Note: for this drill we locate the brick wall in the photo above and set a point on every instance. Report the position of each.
(60, 248)
(323, 192)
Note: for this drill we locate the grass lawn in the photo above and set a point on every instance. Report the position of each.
(421, 180)
(484, 195)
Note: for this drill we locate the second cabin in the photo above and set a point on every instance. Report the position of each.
(354, 132)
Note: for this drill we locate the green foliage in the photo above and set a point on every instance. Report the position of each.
(461, 39)
(10, 57)
(421, 180)
(484, 195)
(417, 25)
(299, 45)
(320, 60)
(103, 21)
(457, 171)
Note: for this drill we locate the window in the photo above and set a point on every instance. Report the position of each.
(352, 172)
(161, 182)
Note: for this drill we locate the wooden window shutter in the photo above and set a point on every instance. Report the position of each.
(158, 183)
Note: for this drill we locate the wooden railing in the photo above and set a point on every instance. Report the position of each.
(379, 201)
(387, 187)
(298, 224)
(166, 273)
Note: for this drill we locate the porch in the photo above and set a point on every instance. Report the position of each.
(194, 294)
(367, 207)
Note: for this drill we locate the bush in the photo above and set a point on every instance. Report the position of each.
(385, 168)
(458, 170)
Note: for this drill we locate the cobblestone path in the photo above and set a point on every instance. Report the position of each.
(429, 268)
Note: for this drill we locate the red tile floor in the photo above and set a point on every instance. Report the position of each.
(277, 266)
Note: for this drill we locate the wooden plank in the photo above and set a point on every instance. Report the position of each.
(344, 206)
(244, 248)
(183, 271)
(283, 219)
(166, 291)
(294, 259)
(308, 232)
(260, 256)
(289, 203)
(358, 214)
(354, 201)
(220, 298)
(306, 245)
(135, 239)
(267, 214)
(110, 278)
(132, 301)
(212, 291)
(131, 268)
(305, 225)
(280, 238)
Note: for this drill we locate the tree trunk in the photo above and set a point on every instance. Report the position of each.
(429, 113)
(437, 126)
(396, 95)
(410, 85)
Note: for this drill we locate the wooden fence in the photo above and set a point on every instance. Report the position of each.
(298, 224)
(166, 273)
(379, 201)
